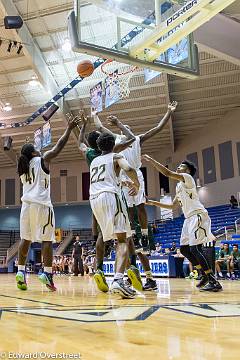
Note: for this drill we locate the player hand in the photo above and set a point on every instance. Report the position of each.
(73, 121)
(146, 157)
(172, 106)
(127, 183)
(84, 119)
(133, 190)
(112, 120)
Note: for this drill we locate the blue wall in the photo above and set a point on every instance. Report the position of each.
(71, 216)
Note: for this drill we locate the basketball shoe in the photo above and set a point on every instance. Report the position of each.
(135, 277)
(119, 287)
(47, 279)
(21, 280)
(150, 285)
(100, 280)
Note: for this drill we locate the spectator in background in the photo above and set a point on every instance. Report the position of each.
(233, 262)
(233, 202)
(221, 262)
(77, 255)
(159, 248)
(173, 249)
(168, 251)
(154, 228)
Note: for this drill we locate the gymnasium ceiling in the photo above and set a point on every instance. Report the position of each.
(210, 97)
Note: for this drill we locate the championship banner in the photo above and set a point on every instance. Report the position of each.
(38, 139)
(96, 99)
(46, 135)
(112, 91)
(58, 235)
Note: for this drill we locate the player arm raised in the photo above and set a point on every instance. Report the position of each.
(130, 138)
(55, 151)
(81, 140)
(172, 206)
(171, 108)
(130, 172)
(100, 126)
(162, 169)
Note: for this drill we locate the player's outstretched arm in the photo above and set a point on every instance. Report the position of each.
(172, 206)
(81, 140)
(100, 126)
(114, 121)
(162, 169)
(51, 154)
(171, 108)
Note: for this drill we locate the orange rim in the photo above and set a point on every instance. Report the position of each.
(108, 61)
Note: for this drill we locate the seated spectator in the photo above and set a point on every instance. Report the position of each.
(221, 262)
(159, 248)
(233, 262)
(233, 202)
(178, 254)
(168, 251)
(154, 253)
(173, 249)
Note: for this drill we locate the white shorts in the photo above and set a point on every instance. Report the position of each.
(140, 198)
(37, 222)
(197, 230)
(111, 214)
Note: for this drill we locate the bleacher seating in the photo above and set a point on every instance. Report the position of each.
(85, 237)
(170, 230)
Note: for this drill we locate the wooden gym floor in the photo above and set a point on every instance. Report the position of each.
(178, 322)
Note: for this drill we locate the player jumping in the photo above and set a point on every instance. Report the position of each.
(37, 222)
(197, 225)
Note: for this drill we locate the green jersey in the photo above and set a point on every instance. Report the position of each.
(91, 154)
(223, 254)
(236, 254)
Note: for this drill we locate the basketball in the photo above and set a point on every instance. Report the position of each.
(85, 68)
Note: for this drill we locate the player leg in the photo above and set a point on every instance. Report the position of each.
(186, 251)
(44, 229)
(122, 231)
(150, 283)
(133, 272)
(200, 232)
(25, 234)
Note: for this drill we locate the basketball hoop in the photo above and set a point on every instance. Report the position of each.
(119, 76)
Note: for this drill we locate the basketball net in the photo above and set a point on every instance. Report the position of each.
(119, 76)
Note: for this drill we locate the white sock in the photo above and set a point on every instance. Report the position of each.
(21, 267)
(220, 273)
(118, 276)
(133, 232)
(48, 269)
(145, 232)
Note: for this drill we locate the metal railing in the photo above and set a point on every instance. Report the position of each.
(12, 251)
(67, 238)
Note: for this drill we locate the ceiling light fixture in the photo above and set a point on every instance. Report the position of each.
(67, 46)
(34, 81)
(7, 107)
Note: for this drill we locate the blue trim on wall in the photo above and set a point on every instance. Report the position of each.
(77, 216)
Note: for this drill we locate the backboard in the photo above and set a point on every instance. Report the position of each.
(153, 34)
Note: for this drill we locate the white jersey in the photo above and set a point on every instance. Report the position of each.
(103, 177)
(36, 184)
(133, 154)
(187, 196)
